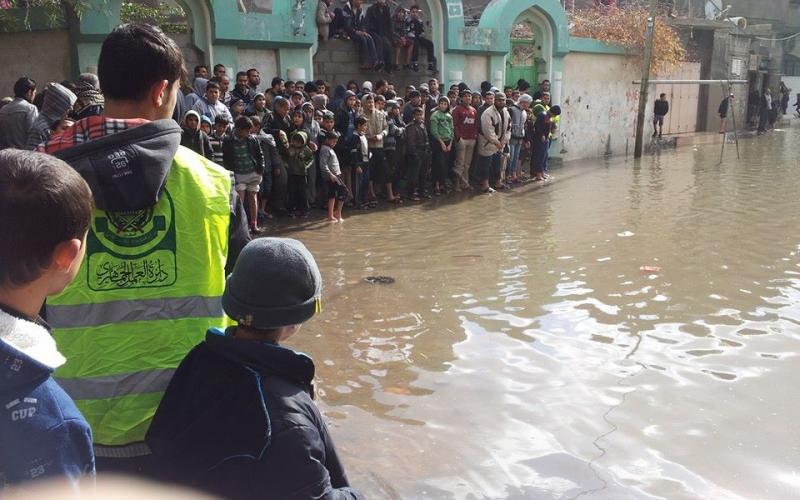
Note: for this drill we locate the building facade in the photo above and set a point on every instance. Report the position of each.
(499, 41)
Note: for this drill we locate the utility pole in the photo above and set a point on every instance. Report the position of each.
(646, 57)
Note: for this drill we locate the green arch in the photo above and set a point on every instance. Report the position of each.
(501, 15)
(201, 27)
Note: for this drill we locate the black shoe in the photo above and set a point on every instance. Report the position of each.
(432, 69)
(414, 67)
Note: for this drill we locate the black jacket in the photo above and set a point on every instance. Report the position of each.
(269, 148)
(341, 124)
(416, 140)
(359, 18)
(345, 19)
(248, 95)
(265, 439)
(379, 20)
(661, 108)
(275, 125)
(197, 141)
(723, 107)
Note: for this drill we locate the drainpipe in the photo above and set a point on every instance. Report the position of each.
(555, 88)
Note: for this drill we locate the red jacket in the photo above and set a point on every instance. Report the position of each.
(465, 122)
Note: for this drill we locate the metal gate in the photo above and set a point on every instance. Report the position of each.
(683, 99)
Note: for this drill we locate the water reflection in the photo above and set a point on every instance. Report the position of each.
(626, 331)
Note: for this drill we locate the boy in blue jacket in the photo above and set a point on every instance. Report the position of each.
(238, 419)
(45, 212)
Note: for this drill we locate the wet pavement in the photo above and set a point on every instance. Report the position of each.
(628, 330)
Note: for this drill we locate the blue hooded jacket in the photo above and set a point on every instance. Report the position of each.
(42, 433)
(238, 421)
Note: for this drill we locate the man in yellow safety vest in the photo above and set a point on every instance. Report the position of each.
(166, 221)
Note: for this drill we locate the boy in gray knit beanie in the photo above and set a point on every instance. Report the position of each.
(238, 418)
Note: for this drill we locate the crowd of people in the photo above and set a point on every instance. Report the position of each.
(111, 183)
(298, 145)
(126, 199)
(765, 108)
(123, 256)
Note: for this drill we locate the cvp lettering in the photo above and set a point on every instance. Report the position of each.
(23, 413)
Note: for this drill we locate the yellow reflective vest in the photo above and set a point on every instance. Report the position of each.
(147, 291)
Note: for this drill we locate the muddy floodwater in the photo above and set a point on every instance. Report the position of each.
(628, 330)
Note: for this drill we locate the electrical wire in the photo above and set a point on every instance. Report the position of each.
(777, 39)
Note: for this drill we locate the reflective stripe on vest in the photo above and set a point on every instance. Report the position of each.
(111, 386)
(148, 289)
(120, 311)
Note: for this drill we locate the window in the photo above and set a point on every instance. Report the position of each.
(791, 65)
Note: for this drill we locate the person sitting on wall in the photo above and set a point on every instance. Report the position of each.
(416, 31)
(325, 19)
(379, 23)
(353, 25)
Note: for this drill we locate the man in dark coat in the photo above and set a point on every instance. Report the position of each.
(279, 127)
(379, 24)
(724, 105)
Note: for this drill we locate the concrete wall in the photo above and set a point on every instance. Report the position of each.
(49, 49)
(476, 70)
(598, 105)
(264, 60)
(337, 62)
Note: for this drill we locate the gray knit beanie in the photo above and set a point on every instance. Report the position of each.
(275, 283)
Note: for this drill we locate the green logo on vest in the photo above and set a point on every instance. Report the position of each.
(135, 249)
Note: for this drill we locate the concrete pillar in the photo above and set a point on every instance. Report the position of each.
(557, 80)
(452, 69)
(497, 70)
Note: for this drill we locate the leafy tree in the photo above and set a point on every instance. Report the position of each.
(17, 14)
(625, 27)
(171, 19)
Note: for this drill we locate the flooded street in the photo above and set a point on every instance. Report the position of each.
(523, 352)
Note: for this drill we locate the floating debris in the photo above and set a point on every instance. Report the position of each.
(650, 269)
(379, 280)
